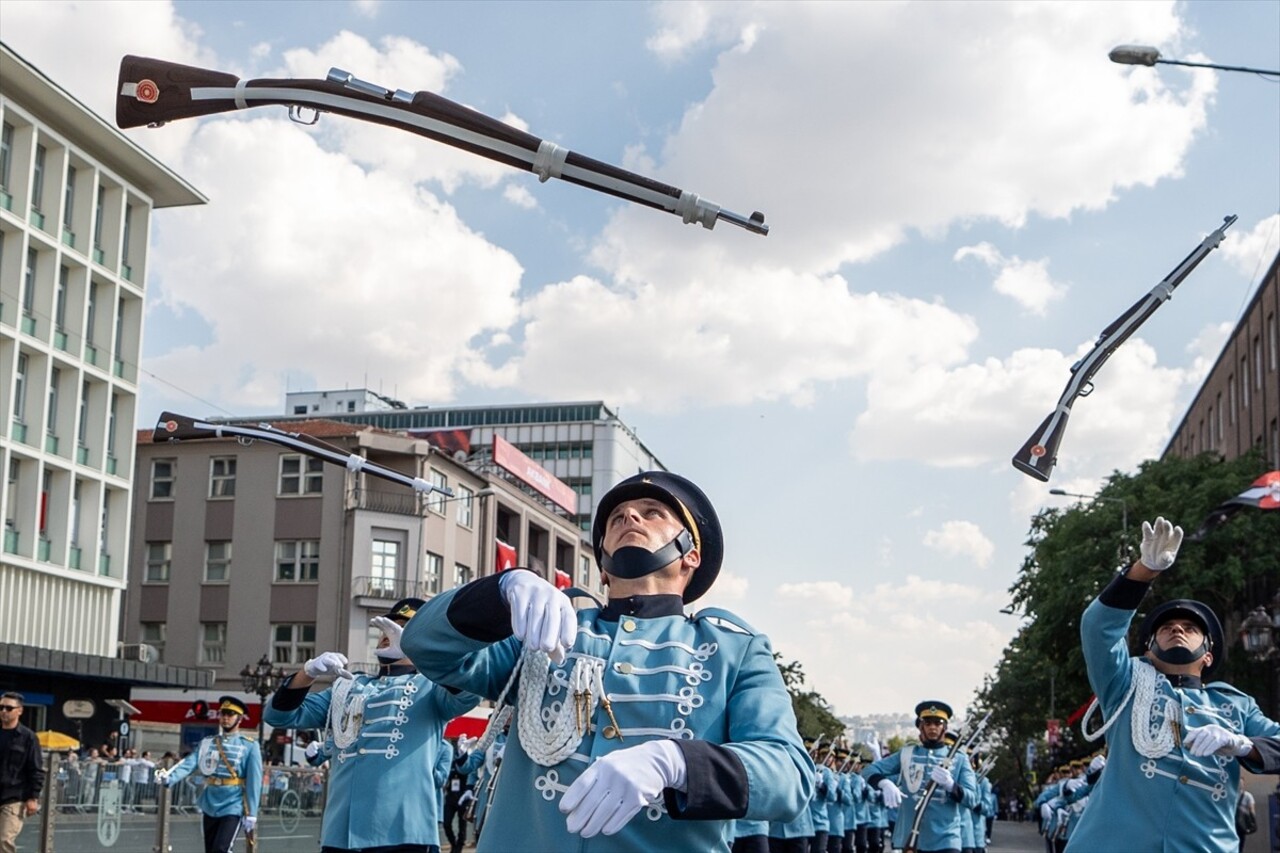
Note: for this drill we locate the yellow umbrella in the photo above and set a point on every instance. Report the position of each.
(57, 740)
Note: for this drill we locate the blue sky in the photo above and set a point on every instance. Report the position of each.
(961, 196)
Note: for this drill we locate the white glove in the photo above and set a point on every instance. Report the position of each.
(1063, 817)
(892, 793)
(313, 749)
(247, 823)
(162, 775)
(1046, 813)
(465, 744)
(467, 796)
(1073, 785)
(943, 777)
(541, 615)
(327, 663)
(614, 788)
(1213, 739)
(393, 630)
(1160, 544)
(1099, 762)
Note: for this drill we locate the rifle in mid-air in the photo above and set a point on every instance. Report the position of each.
(152, 92)
(1039, 455)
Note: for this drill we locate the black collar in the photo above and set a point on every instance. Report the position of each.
(1188, 682)
(644, 606)
(390, 670)
(932, 744)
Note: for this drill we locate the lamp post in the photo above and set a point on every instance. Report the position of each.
(1142, 54)
(262, 680)
(1260, 636)
(1124, 516)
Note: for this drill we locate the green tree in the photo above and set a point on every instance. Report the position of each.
(813, 713)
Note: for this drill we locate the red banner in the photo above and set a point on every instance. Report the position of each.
(542, 481)
(506, 557)
(563, 581)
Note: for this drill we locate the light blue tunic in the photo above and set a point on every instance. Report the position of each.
(1170, 802)
(835, 803)
(823, 794)
(705, 678)
(246, 761)
(381, 785)
(909, 769)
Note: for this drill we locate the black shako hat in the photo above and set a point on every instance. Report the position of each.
(935, 709)
(404, 608)
(688, 503)
(1196, 611)
(232, 704)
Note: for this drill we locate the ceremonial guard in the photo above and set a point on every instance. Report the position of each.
(385, 731)
(231, 765)
(459, 788)
(912, 768)
(440, 772)
(1175, 741)
(835, 805)
(633, 720)
(822, 794)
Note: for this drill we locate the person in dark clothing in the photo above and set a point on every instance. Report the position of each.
(21, 771)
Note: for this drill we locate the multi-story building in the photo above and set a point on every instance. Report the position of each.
(1238, 406)
(76, 200)
(584, 444)
(246, 550)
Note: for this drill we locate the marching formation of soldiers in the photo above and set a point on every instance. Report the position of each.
(631, 725)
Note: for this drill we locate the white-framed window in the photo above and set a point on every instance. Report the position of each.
(293, 642)
(433, 569)
(384, 566)
(69, 198)
(464, 500)
(55, 379)
(461, 574)
(37, 180)
(297, 561)
(6, 154)
(436, 500)
(152, 633)
(82, 416)
(29, 283)
(222, 477)
(159, 562)
(213, 642)
(584, 571)
(20, 391)
(163, 473)
(60, 299)
(217, 561)
(300, 475)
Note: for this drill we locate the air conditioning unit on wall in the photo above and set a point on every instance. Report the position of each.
(141, 652)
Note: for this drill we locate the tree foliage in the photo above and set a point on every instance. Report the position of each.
(813, 713)
(1075, 552)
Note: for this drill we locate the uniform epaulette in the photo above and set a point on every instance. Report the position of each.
(727, 620)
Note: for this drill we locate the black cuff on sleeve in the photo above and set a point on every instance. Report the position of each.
(717, 787)
(874, 780)
(288, 698)
(956, 793)
(1268, 756)
(479, 612)
(1124, 593)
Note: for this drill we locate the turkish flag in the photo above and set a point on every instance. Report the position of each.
(563, 581)
(506, 558)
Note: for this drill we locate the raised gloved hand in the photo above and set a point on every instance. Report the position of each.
(327, 663)
(542, 616)
(892, 793)
(1213, 739)
(614, 788)
(1160, 544)
(313, 749)
(943, 777)
(1099, 762)
(1073, 785)
(392, 630)
(247, 823)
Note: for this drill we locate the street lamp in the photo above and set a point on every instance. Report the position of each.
(261, 680)
(1260, 631)
(1124, 515)
(1141, 54)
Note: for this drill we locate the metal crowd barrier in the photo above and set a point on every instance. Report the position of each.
(118, 806)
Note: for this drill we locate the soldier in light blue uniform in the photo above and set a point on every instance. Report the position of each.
(487, 767)
(385, 731)
(912, 768)
(750, 836)
(231, 765)
(1175, 744)
(835, 806)
(823, 794)
(792, 836)
(633, 722)
(440, 773)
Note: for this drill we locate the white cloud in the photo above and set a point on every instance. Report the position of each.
(519, 196)
(1251, 251)
(961, 539)
(728, 591)
(824, 593)
(1205, 349)
(367, 8)
(1026, 282)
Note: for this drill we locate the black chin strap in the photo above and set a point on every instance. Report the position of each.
(633, 562)
(1179, 655)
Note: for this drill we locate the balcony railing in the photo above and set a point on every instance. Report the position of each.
(388, 589)
(397, 503)
(11, 541)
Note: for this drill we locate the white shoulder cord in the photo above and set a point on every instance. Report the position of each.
(1150, 741)
(346, 713)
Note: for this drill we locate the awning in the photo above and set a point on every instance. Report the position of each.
(98, 668)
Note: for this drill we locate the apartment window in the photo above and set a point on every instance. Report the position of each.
(60, 299)
(584, 571)
(1244, 382)
(6, 154)
(1211, 435)
(111, 423)
(69, 198)
(461, 574)
(384, 565)
(128, 232)
(434, 568)
(73, 526)
(98, 208)
(55, 378)
(82, 416)
(159, 561)
(217, 561)
(1221, 432)
(222, 477)
(298, 561)
(300, 475)
(29, 284)
(436, 499)
(91, 313)
(152, 633)
(119, 348)
(37, 179)
(1231, 398)
(1257, 362)
(1273, 342)
(163, 473)
(11, 494)
(20, 391)
(293, 643)
(464, 501)
(213, 642)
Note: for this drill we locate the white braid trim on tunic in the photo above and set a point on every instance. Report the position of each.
(346, 713)
(1151, 733)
